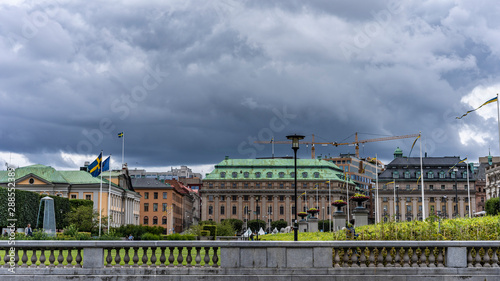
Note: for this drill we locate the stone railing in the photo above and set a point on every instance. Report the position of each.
(101, 259)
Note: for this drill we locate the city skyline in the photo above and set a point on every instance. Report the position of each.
(190, 83)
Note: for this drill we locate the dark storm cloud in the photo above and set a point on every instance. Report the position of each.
(190, 82)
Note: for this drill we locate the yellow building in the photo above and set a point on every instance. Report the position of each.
(124, 201)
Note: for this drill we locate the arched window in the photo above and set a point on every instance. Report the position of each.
(316, 175)
(234, 174)
(223, 174)
(164, 220)
(281, 174)
(257, 175)
(155, 220)
(269, 175)
(146, 220)
(304, 174)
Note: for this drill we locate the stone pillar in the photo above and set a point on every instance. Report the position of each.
(449, 209)
(240, 208)
(461, 206)
(414, 208)
(361, 216)
(288, 211)
(275, 208)
(402, 208)
(252, 207)
(338, 220)
(391, 207)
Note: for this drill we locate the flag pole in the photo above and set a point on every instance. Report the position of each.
(394, 204)
(109, 194)
(347, 189)
(272, 144)
(498, 120)
(468, 187)
(123, 149)
(329, 205)
(100, 197)
(422, 176)
(377, 212)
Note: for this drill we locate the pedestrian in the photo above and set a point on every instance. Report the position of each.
(28, 231)
(251, 236)
(130, 237)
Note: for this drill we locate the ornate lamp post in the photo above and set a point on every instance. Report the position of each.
(295, 146)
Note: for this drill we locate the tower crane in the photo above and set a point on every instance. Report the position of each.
(356, 142)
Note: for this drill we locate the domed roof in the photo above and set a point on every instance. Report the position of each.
(398, 153)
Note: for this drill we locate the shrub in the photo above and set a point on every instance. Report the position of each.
(205, 233)
(111, 236)
(75, 203)
(177, 236)
(324, 225)
(255, 225)
(26, 205)
(492, 206)
(236, 223)
(71, 230)
(150, 236)
(278, 225)
(225, 229)
(212, 229)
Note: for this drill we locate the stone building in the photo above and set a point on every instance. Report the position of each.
(492, 176)
(400, 189)
(248, 189)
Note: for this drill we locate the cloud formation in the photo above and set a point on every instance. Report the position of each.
(190, 82)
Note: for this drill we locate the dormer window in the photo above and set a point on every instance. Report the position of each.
(257, 175)
(234, 174)
(304, 174)
(281, 175)
(223, 174)
(316, 175)
(246, 174)
(269, 175)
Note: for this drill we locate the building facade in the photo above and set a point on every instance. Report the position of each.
(248, 189)
(400, 188)
(492, 176)
(124, 201)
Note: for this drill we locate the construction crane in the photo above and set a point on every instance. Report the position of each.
(356, 142)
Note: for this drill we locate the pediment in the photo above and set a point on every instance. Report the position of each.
(32, 179)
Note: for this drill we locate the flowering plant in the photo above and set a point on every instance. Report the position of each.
(339, 203)
(313, 211)
(302, 214)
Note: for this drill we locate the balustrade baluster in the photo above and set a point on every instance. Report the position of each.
(153, 256)
(34, 259)
(477, 259)
(486, 258)
(406, 257)
(440, 258)
(423, 258)
(16, 257)
(389, 258)
(198, 256)
(189, 258)
(69, 258)
(118, 257)
(362, 257)
(354, 258)
(109, 259)
(397, 257)
(171, 258)
(180, 258)
(6, 258)
(206, 258)
(163, 259)
(145, 256)
(52, 258)
(42, 258)
(380, 257)
(24, 259)
(126, 257)
(60, 257)
(78, 258)
(494, 258)
(432, 257)
(414, 258)
(135, 258)
(469, 257)
(347, 261)
(371, 257)
(215, 258)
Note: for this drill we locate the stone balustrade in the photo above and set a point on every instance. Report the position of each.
(62, 260)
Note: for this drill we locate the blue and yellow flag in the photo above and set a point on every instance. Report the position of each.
(120, 135)
(95, 168)
(487, 102)
(414, 142)
(461, 161)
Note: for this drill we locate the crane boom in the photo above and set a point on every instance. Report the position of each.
(356, 142)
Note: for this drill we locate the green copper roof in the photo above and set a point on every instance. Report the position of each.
(279, 169)
(80, 177)
(45, 172)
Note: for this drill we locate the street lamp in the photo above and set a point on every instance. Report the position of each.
(295, 146)
(455, 170)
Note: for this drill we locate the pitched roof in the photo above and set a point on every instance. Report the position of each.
(149, 183)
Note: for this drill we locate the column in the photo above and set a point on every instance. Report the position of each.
(204, 212)
(414, 208)
(449, 209)
(461, 206)
(252, 207)
(275, 208)
(216, 209)
(288, 210)
(263, 208)
(391, 206)
(240, 208)
(402, 208)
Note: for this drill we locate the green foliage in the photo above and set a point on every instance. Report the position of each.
(111, 236)
(236, 223)
(75, 203)
(478, 228)
(138, 230)
(62, 209)
(84, 218)
(324, 225)
(212, 229)
(71, 230)
(278, 225)
(205, 233)
(25, 204)
(225, 229)
(195, 230)
(151, 236)
(177, 236)
(255, 225)
(207, 223)
(492, 206)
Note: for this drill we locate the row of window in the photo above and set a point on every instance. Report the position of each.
(155, 220)
(155, 195)
(155, 207)
(222, 198)
(247, 211)
(430, 175)
(431, 187)
(431, 199)
(268, 175)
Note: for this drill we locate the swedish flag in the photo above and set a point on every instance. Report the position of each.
(487, 102)
(120, 135)
(95, 168)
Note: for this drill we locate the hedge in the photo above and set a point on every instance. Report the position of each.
(212, 229)
(492, 206)
(75, 203)
(26, 207)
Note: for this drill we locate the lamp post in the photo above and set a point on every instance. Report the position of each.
(257, 208)
(323, 218)
(455, 170)
(295, 146)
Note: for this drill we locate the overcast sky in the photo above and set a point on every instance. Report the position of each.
(189, 82)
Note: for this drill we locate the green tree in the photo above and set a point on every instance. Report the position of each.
(236, 223)
(86, 219)
(255, 225)
(492, 206)
(278, 225)
(225, 228)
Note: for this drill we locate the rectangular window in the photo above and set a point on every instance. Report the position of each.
(146, 207)
(257, 185)
(282, 210)
(282, 198)
(164, 195)
(442, 187)
(210, 198)
(431, 186)
(88, 197)
(73, 196)
(234, 210)
(431, 199)
(246, 185)
(384, 199)
(269, 198)
(407, 187)
(155, 195)
(235, 198)
(146, 195)
(155, 207)
(164, 207)
(222, 198)
(245, 197)
(408, 199)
